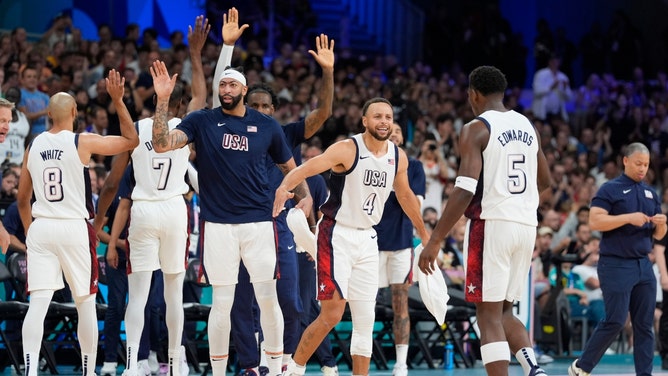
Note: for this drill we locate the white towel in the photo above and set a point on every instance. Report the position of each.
(433, 290)
(304, 238)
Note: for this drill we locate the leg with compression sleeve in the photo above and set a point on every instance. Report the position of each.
(271, 321)
(87, 332)
(174, 316)
(219, 328)
(33, 329)
(361, 342)
(139, 286)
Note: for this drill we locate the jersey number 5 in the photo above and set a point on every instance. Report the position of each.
(517, 178)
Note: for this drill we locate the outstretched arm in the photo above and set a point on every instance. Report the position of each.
(196, 39)
(324, 55)
(164, 139)
(110, 145)
(231, 33)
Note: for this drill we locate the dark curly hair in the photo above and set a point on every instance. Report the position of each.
(262, 88)
(488, 80)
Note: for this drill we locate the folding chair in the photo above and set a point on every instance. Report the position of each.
(11, 310)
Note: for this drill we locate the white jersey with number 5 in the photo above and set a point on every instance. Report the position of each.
(357, 197)
(510, 168)
(60, 181)
(158, 176)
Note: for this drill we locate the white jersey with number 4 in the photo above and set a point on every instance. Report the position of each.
(158, 176)
(357, 197)
(60, 181)
(510, 168)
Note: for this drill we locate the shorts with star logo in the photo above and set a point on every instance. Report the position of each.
(498, 257)
(58, 247)
(347, 261)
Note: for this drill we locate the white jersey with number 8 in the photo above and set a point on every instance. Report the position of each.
(60, 180)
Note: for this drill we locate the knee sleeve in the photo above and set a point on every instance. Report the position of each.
(363, 314)
(174, 309)
(495, 352)
(33, 324)
(219, 320)
(271, 318)
(87, 326)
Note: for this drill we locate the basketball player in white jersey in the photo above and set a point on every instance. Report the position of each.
(502, 171)
(364, 169)
(60, 241)
(158, 232)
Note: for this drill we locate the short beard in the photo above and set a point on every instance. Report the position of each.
(375, 135)
(230, 106)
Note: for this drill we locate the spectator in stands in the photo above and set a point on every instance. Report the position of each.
(587, 271)
(33, 102)
(551, 91)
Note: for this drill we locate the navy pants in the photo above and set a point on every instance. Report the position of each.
(307, 281)
(244, 310)
(628, 286)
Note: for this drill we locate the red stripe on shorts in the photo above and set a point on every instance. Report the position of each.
(473, 288)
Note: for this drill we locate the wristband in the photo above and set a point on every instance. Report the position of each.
(466, 183)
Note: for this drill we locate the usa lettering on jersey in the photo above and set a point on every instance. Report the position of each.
(374, 178)
(235, 142)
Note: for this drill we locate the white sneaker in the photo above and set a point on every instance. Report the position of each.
(184, 369)
(130, 372)
(143, 368)
(109, 369)
(330, 371)
(153, 362)
(400, 370)
(574, 370)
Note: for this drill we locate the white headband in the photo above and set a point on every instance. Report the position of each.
(233, 74)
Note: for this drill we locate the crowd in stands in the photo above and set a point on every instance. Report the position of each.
(617, 105)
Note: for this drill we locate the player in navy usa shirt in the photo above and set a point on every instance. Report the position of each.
(233, 143)
(395, 243)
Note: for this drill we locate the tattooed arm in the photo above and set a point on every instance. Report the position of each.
(164, 139)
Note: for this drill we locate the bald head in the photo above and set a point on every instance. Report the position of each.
(62, 108)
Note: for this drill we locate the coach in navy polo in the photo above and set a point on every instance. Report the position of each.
(627, 211)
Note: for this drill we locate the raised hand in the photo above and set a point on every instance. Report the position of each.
(115, 85)
(197, 37)
(162, 83)
(324, 52)
(231, 30)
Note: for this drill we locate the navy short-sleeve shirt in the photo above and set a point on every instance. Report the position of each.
(624, 195)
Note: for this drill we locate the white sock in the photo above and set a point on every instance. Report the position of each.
(527, 359)
(131, 353)
(286, 359)
(295, 368)
(219, 366)
(402, 354)
(31, 361)
(88, 363)
(263, 354)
